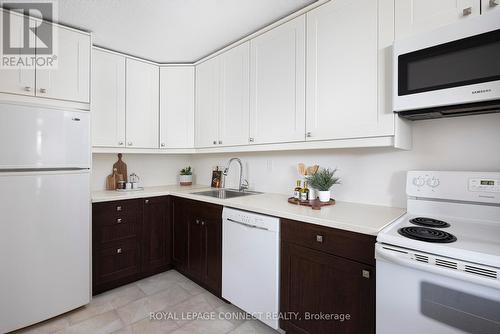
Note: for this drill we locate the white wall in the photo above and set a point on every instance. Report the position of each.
(376, 175)
(153, 169)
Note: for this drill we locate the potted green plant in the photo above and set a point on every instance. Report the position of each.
(186, 176)
(322, 181)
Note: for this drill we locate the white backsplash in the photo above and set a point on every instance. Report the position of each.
(369, 175)
(153, 169)
(376, 175)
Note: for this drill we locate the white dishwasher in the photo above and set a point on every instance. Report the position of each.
(250, 263)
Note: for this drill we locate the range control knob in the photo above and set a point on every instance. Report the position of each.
(419, 181)
(433, 182)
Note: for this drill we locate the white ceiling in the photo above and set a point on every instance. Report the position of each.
(171, 31)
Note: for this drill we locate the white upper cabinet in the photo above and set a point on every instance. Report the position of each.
(234, 98)
(277, 84)
(142, 104)
(489, 5)
(22, 80)
(108, 99)
(207, 103)
(71, 79)
(177, 107)
(416, 16)
(345, 41)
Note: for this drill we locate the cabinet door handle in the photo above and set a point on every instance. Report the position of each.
(220, 141)
(493, 3)
(467, 11)
(120, 143)
(43, 90)
(215, 142)
(129, 143)
(162, 144)
(27, 89)
(119, 208)
(251, 140)
(308, 134)
(365, 273)
(202, 223)
(118, 251)
(146, 201)
(197, 222)
(119, 221)
(319, 238)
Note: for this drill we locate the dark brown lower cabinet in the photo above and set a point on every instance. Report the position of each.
(329, 293)
(131, 239)
(197, 242)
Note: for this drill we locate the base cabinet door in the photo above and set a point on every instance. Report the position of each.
(197, 242)
(156, 235)
(314, 283)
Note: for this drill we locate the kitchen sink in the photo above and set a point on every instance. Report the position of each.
(226, 193)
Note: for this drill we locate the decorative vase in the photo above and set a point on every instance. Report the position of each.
(324, 196)
(186, 180)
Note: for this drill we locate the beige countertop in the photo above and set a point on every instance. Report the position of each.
(355, 217)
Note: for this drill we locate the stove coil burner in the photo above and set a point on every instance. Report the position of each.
(429, 222)
(427, 234)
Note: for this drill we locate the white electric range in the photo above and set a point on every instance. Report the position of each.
(438, 266)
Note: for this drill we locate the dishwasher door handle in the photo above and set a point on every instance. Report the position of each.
(247, 225)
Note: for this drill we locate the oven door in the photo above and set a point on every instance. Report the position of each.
(413, 300)
(455, 65)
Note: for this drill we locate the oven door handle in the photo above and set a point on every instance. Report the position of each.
(399, 256)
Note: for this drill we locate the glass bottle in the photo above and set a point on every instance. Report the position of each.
(296, 191)
(304, 193)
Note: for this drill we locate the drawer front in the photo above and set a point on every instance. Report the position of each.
(120, 259)
(350, 245)
(125, 229)
(109, 213)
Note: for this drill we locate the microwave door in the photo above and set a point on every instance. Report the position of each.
(43, 138)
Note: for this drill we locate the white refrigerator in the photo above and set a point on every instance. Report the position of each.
(44, 213)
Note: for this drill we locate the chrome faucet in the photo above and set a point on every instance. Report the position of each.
(243, 184)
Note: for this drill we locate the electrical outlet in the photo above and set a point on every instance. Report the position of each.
(269, 165)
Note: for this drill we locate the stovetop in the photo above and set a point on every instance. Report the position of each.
(466, 239)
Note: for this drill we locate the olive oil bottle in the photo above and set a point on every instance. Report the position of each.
(304, 193)
(296, 191)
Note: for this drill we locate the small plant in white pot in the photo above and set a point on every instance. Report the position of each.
(186, 176)
(322, 181)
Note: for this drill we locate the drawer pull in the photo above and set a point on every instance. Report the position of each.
(319, 238)
(202, 223)
(467, 11)
(365, 273)
(197, 222)
(119, 251)
(119, 208)
(119, 221)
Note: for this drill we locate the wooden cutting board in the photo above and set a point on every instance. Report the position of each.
(121, 167)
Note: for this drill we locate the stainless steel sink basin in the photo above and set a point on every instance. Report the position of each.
(226, 193)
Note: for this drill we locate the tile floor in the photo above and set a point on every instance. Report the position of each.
(127, 310)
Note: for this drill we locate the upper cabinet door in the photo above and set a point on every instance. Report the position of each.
(142, 104)
(235, 94)
(177, 107)
(207, 103)
(343, 70)
(71, 79)
(416, 16)
(489, 5)
(277, 84)
(108, 99)
(21, 80)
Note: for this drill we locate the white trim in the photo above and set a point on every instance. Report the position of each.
(384, 141)
(38, 101)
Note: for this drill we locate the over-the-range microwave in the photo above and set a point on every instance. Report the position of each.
(451, 71)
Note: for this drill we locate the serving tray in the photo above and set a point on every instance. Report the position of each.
(315, 204)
